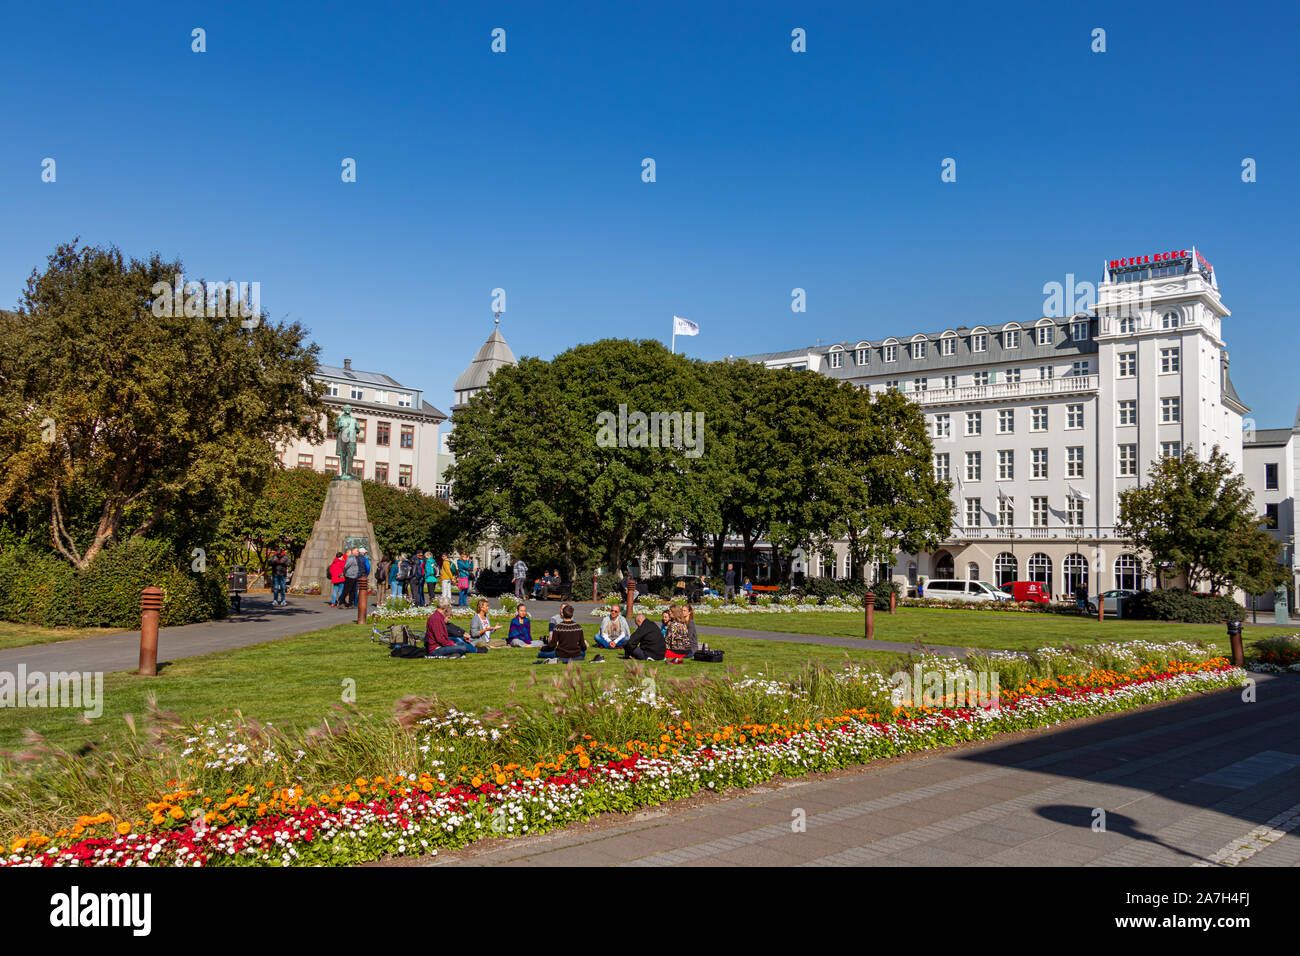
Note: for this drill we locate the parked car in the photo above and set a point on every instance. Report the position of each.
(1113, 600)
(1026, 591)
(952, 590)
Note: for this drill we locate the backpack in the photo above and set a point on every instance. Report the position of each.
(404, 570)
(407, 650)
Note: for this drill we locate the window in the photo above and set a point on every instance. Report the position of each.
(1006, 421)
(1270, 477)
(942, 426)
(890, 353)
(892, 385)
(1270, 517)
(1006, 512)
(332, 389)
(331, 465)
(864, 356)
(356, 392)
(1079, 368)
(1039, 512)
(1169, 360)
(1073, 416)
(828, 565)
(1013, 375)
(1074, 461)
(361, 431)
(408, 437)
(1044, 373)
(1075, 567)
(381, 397)
(1040, 570)
(980, 378)
(972, 512)
(1127, 325)
(404, 401)
(836, 359)
(979, 342)
(358, 468)
(1128, 412)
(305, 461)
(1011, 339)
(381, 471)
(973, 466)
(1128, 362)
(1171, 409)
(1044, 334)
(950, 381)
(1128, 461)
(920, 384)
(1171, 449)
(1128, 572)
(1006, 465)
(403, 476)
(948, 346)
(974, 423)
(1074, 512)
(1005, 568)
(972, 572)
(1079, 331)
(1169, 320)
(918, 350)
(382, 431)
(1038, 463)
(941, 466)
(1038, 419)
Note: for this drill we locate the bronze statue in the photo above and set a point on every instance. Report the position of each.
(345, 443)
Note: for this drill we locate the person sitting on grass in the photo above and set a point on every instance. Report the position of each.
(664, 622)
(646, 642)
(438, 643)
(613, 629)
(678, 638)
(567, 642)
(521, 629)
(480, 625)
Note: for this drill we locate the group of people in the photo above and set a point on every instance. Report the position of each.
(548, 582)
(672, 639)
(346, 570)
(419, 577)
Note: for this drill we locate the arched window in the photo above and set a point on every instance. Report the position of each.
(1040, 570)
(1075, 568)
(944, 567)
(1005, 568)
(972, 572)
(1128, 572)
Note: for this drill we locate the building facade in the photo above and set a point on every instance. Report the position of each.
(1041, 424)
(1271, 466)
(397, 434)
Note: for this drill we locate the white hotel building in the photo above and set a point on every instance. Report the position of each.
(1041, 424)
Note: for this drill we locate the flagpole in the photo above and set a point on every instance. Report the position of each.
(674, 347)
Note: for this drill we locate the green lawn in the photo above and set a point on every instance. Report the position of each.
(988, 629)
(21, 635)
(296, 681)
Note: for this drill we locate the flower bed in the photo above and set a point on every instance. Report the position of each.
(437, 806)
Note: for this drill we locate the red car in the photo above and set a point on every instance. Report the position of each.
(1026, 591)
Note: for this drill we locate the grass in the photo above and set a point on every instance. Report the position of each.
(992, 630)
(22, 635)
(294, 682)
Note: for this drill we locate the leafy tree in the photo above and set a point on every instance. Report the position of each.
(121, 423)
(1198, 518)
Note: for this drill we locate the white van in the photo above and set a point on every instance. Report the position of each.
(950, 590)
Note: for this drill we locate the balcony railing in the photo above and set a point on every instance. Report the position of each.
(1057, 532)
(1005, 391)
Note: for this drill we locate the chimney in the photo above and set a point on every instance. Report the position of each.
(347, 364)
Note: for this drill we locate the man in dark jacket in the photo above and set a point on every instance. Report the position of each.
(729, 584)
(646, 642)
(279, 578)
(566, 642)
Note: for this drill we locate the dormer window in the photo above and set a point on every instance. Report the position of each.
(948, 346)
(1079, 331)
(891, 353)
(864, 356)
(1044, 334)
(918, 350)
(837, 359)
(979, 342)
(1011, 339)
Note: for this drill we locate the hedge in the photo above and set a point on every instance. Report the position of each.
(43, 589)
(1175, 605)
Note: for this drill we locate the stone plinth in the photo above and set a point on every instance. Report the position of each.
(342, 516)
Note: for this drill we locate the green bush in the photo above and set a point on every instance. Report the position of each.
(882, 590)
(1176, 605)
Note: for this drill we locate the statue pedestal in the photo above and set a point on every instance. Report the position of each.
(342, 516)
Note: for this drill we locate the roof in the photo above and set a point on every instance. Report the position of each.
(365, 378)
(492, 355)
(1268, 436)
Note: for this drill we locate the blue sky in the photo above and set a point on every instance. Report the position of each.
(775, 170)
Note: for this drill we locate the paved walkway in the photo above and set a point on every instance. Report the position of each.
(1207, 781)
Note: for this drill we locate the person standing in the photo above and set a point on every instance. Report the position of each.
(464, 574)
(279, 578)
(445, 576)
(521, 575)
(417, 579)
(382, 571)
(336, 579)
(430, 576)
(729, 584)
(351, 572)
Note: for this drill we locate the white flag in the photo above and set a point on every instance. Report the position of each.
(684, 326)
(1082, 495)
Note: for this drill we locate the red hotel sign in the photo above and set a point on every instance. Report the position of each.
(1157, 257)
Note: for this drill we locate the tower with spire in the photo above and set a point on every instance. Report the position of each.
(492, 355)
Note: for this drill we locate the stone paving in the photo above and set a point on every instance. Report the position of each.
(1152, 788)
